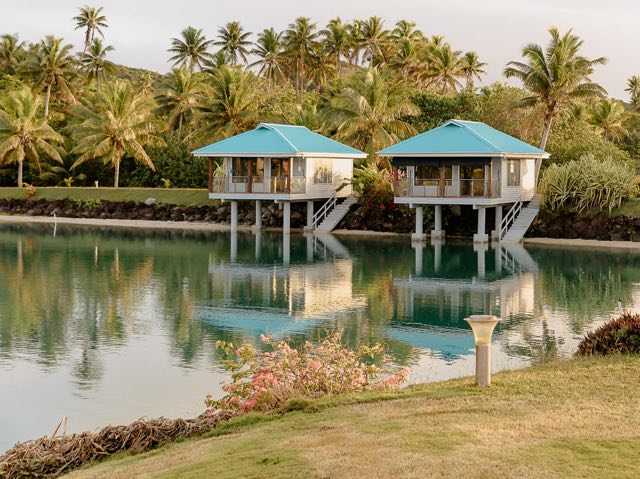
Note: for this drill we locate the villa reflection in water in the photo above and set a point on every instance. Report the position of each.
(89, 314)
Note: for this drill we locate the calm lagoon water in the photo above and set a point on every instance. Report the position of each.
(106, 326)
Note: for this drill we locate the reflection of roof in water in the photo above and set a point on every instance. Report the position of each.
(449, 344)
(255, 321)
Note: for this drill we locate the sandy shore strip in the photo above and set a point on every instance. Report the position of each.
(582, 243)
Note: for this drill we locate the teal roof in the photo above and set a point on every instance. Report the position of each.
(463, 138)
(269, 139)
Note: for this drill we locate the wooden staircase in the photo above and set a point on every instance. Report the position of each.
(518, 220)
(331, 213)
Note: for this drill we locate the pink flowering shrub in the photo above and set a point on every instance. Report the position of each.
(266, 380)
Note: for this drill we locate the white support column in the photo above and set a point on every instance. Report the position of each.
(495, 233)
(437, 232)
(258, 223)
(481, 250)
(310, 247)
(498, 258)
(258, 235)
(286, 220)
(419, 234)
(481, 236)
(234, 216)
(309, 226)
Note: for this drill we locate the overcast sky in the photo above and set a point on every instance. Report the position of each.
(495, 29)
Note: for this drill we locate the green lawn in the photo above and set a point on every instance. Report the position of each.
(174, 196)
(630, 208)
(576, 418)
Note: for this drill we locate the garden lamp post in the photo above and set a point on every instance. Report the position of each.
(482, 327)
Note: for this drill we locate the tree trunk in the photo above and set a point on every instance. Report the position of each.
(117, 175)
(46, 102)
(20, 163)
(547, 129)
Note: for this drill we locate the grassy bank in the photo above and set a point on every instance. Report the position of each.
(572, 419)
(173, 196)
(630, 208)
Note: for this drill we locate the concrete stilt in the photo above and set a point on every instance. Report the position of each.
(286, 221)
(234, 216)
(498, 258)
(419, 234)
(310, 248)
(495, 233)
(258, 223)
(437, 253)
(481, 236)
(437, 232)
(481, 250)
(309, 226)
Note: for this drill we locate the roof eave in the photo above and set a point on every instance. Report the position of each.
(464, 155)
(279, 155)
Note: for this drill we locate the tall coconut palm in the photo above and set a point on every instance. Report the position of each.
(321, 68)
(405, 58)
(52, 66)
(608, 118)
(24, 133)
(374, 38)
(300, 42)
(269, 50)
(234, 42)
(336, 42)
(555, 76)
(11, 53)
(192, 49)
(370, 112)
(178, 96)
(228, 107)
(444, 68)
(91, 20)
(94, 61)
(471, 69)
(633, 86)
(354, 30)
(406, 30)
(120, 122)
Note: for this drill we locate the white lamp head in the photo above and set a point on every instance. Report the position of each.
(482, 326)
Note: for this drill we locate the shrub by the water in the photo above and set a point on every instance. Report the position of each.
(589, 183)
(618, 336)
(268, 380)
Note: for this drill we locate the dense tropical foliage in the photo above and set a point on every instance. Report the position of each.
(363, 82)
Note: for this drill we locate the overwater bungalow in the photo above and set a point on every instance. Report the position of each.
(285, 164)
(468, 163)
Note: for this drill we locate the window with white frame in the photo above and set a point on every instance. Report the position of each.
(513, 173)
(322, 171)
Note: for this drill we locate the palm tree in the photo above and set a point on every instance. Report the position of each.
(321, 68)
(121, 122)
(178, 95)
(406, 30)
(94, 61)
(405, 58)
(608, 117)
(52, 65)
(374, 38)
(444, 68)
(354, 30)
(300, 42)
(369, 112)
(633, 86)
(336, 42)
(555, 76)
(92, 20)
(11, 53)
(269, 50)
(471, 68)
(234, 42)
(24, 134)
(228, 107)
(191, 49)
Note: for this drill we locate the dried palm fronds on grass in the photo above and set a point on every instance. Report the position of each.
(54, 456)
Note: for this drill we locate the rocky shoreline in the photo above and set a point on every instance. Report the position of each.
(458, 222)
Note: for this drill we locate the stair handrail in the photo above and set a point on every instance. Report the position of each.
(510, 218)
(324, 210)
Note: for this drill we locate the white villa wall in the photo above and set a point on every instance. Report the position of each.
(342, 171)
(526, 190)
